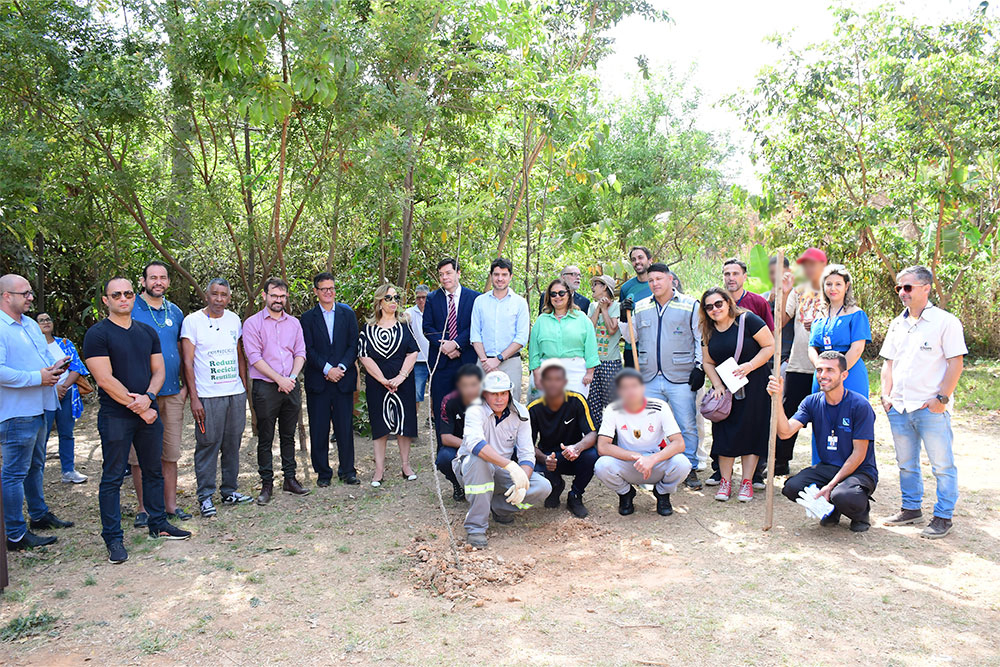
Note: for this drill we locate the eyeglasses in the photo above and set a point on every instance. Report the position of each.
(709, 307)
(392, 297)
(571, 274)
(905, 288)
(558, 295)
(128, 294)
(27, 294)
(421, 296)
(325, 290)
(43, 320)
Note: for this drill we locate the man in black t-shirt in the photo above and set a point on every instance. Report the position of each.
(469, 386)
(564, 436)
(126, 360)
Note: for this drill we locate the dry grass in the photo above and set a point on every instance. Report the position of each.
(337, 577)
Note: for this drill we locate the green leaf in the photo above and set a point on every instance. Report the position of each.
(757, 266)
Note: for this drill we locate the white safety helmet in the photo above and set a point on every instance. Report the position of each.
(496, 382)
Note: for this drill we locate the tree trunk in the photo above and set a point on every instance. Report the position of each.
(39, 286)
(404, 255)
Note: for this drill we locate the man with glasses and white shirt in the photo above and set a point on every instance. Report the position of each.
(923, 351)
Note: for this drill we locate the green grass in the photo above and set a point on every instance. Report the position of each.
(153, 643)
(61, 595)
(90, 580)
(978, 388)
(34, 623)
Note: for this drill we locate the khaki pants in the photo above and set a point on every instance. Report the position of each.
(512, 367)
(172, 416)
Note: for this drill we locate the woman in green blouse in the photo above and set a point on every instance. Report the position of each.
(564, 332)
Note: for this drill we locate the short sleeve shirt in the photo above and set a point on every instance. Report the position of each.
(804, 303)
(836, 427)
(566, 426)
(453, 415)
(607, 344)
(216, 353)
(129, 351)
(645, 431)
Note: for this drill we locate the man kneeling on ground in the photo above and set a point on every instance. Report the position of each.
(844, 431)
(496, 427)
(650, 449)
(564, 437)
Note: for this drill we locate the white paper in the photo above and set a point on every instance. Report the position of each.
(725, 371)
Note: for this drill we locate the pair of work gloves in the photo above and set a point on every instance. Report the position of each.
(696, 380)
(816, 508)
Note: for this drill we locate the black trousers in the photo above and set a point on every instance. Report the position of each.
(119, 433)
(270, 406)
(851, 497)
(628, 360)
(323, 408)
(441, 386)
(582, 469)
(797, 387)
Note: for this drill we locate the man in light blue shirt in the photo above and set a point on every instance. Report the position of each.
(28, 375)
(499, 327)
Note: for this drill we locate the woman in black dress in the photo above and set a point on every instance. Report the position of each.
(744, 432)
(388, 352)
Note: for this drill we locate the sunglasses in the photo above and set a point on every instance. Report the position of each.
(905, 288)
(709, 307)
(128, 294)
(558, 295)
(392, 297)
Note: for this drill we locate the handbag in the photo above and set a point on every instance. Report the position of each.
(717, 409)
(84, 386)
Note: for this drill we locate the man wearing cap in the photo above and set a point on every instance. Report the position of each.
(668, 348)
(564, 436)
(804, 304)
(649, 447)
(497, 429)
(500, 323)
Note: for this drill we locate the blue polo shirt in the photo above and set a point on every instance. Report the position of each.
(851, 419)
(638, 291)
(23, 355)
(166, 322)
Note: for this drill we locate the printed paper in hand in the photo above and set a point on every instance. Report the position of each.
(725, 371)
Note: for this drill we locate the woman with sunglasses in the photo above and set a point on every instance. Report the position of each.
(388, 352)
(744, 432)
(70, 404)
(564, 332)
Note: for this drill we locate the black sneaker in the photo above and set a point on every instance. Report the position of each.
(49, 521)
(236, 498)
(141, 520)
(574, 503)
(170, 532)
(781, 469)
(29, 541)
(553, 499)
(179, 513)
(457, 493)
(117, 553)
(663, 506)
(714, 480)
(207, 508)
(502, 518)
(831, 519)
(860, 526)
(937, 528)
(625, 505)
(758, 481)
(905, 517)
(692, 482)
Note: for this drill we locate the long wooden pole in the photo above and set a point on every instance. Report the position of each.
(776, 399)
(631, 335)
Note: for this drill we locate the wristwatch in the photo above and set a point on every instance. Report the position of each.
(942, 399)
(151, 396)
(500, 357)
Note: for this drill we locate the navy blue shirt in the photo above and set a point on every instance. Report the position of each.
(836, 427)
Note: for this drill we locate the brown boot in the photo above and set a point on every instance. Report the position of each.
(292, 486)
(266, 491)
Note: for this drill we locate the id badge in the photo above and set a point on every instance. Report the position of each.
(827, 342)
(831, 443)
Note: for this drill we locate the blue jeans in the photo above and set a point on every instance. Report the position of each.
(22, 440)
(684, 407)
(445, 455)
(420, 375)
(934, 430)
(63, 418)
(118, 435)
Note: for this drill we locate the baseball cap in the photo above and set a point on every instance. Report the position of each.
(551, 363)
(496, 382)
(812, 254)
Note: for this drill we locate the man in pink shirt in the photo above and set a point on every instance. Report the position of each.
(276, 352)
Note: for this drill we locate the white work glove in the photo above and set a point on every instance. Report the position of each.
(817, 508)
(515, 494)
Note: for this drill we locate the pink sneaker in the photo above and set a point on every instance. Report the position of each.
(746, 491)
(725, 490)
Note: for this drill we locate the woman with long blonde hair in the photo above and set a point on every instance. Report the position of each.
(388, 352)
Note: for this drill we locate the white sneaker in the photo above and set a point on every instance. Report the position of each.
(702, 465)
(73, 477)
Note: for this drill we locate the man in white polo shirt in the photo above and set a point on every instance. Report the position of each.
(923, 353)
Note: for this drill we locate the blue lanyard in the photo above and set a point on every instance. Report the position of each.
(828, 327)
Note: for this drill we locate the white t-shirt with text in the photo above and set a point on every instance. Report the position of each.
(216, 356)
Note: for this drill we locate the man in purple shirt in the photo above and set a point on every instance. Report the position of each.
(276, 352)
(734, 274)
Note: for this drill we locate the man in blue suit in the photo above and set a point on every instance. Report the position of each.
(447, 325)
(330, 331)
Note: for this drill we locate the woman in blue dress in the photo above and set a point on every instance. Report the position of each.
(845, 329)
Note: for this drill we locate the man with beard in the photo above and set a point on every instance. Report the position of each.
(637, 289)
(571, 274)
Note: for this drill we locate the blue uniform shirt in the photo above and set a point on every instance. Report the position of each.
(23, 355)
(835, 427)
(166, 322)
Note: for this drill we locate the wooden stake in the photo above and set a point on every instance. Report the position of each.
(631, 334)
(776, 399)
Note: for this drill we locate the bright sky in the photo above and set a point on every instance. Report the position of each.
(723, 40)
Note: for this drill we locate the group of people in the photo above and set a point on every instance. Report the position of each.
(630, 417)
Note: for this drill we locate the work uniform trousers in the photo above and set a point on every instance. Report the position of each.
(225, 420)
(851, 497)
(485, 486)
(619, 475)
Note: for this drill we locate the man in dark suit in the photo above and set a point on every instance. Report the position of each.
(330, 331)
(447, 325)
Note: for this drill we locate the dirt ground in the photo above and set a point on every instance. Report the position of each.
(364, 576)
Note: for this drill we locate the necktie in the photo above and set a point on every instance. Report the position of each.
(452, 318)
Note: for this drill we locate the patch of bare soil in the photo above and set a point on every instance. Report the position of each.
(436, 569)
